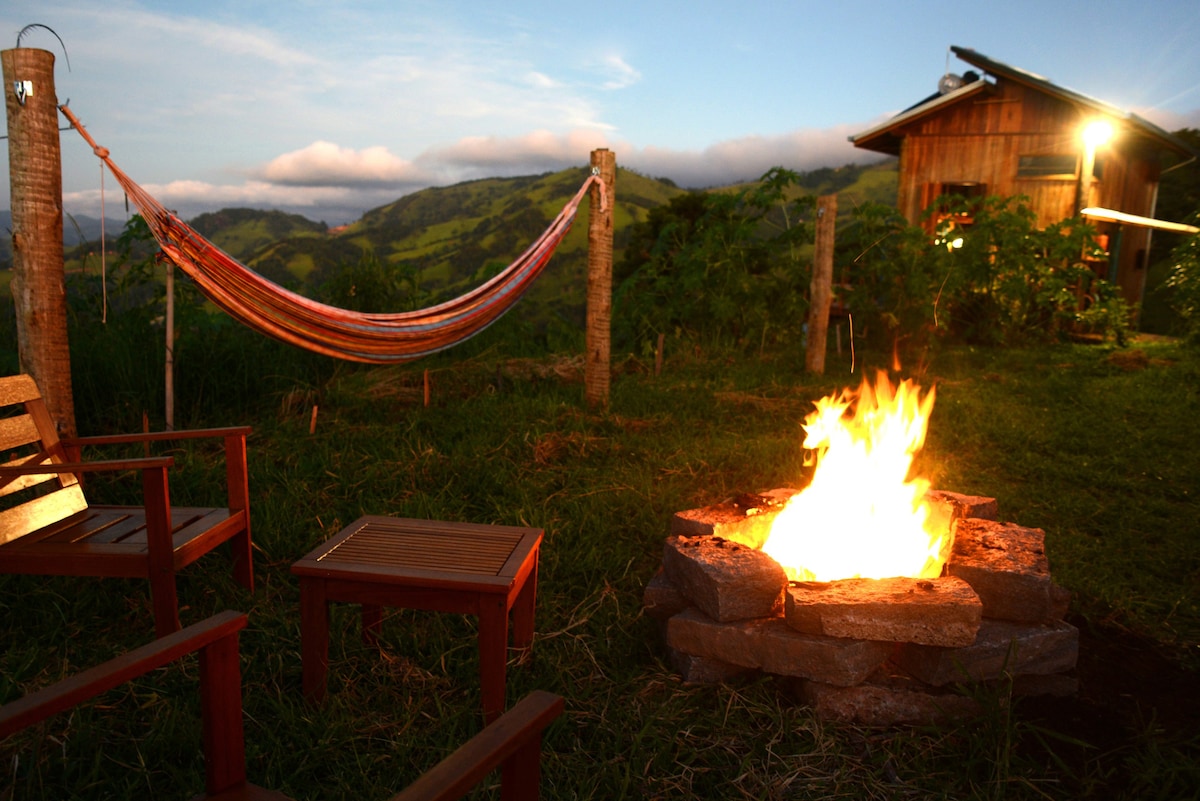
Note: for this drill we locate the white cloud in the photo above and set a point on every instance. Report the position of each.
(334, 204)
(537, 151)
(749, 157)
(337, 184)
(540, 80)
(621, 74)
(327, 164)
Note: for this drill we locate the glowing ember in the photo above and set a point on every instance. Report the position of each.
(861, 516)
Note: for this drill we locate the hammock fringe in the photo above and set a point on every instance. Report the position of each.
(341, 333)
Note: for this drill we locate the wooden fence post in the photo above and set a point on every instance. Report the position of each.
(821, 290)
(35, 177)
(597, 368)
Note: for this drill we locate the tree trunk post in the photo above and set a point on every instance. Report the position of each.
(35, 175)
(821, 289)
(597, 369)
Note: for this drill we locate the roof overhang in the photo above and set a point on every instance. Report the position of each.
(1141, 125)
(880, 139)
(1109, 215)
(885, 138)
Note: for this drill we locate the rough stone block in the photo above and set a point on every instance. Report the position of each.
(661, 600)
(888, 699)
(702, 670)
(745, 519)
(960, 506)
(1001, 648)
(1006, 566)
(727, 581)
(943, 611)
(771, 645)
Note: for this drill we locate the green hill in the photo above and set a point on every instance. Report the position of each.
(240, 232)
(453, 237)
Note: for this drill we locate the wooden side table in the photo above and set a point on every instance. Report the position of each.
(468, 568)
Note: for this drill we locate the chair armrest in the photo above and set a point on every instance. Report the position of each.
(98, 466)
(156, 436)
(63, 695)
(514, 735)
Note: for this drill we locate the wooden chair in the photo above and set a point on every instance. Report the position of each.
(47, 526)
(511, 743)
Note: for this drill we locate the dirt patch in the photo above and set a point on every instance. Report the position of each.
(1129, 689)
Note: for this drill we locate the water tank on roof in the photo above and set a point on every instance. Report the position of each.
(949, 82)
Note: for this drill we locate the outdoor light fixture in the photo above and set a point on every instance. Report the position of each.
(1094, 133)
(1097, 133)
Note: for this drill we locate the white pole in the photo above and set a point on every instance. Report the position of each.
(170, 364)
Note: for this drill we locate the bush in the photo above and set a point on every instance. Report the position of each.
(721, 268)
(1184, 282)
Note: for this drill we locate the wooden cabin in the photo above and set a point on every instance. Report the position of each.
(1004, 131)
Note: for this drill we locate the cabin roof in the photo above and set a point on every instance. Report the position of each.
(885, 138)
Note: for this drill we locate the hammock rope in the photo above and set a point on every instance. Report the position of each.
(341, 333)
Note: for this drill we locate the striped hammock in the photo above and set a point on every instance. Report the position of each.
(355, 336)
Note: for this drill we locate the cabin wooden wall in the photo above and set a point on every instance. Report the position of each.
(981, 139)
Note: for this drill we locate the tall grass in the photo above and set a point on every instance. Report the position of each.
(1098, 452)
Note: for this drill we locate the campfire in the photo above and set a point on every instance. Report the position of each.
(870, 592)
(861, 516)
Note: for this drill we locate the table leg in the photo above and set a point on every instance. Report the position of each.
(314, 637)
(523, 608)
(493, 654)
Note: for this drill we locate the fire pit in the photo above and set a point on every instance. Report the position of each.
(966, 599)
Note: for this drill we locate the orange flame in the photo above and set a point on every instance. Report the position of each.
(861, 516)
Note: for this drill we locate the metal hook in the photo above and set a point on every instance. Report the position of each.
(26, 29)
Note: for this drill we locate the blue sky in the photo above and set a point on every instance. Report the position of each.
(331, 108)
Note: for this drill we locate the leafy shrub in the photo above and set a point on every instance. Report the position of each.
(724, 268)
(372, 286)
(1184, 283)
(890, 278)
(988, 275)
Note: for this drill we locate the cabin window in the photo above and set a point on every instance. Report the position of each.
(962, 213)
(1057, 166)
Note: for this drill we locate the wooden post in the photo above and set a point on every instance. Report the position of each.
(35, 175)
(597, 369)
(821, 289)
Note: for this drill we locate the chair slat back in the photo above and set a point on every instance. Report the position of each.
(28, 437)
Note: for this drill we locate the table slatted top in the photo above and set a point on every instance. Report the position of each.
(391, 545)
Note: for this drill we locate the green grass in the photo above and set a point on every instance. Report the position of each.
(1100, 456)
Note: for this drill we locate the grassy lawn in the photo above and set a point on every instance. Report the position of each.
(1096, 446)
